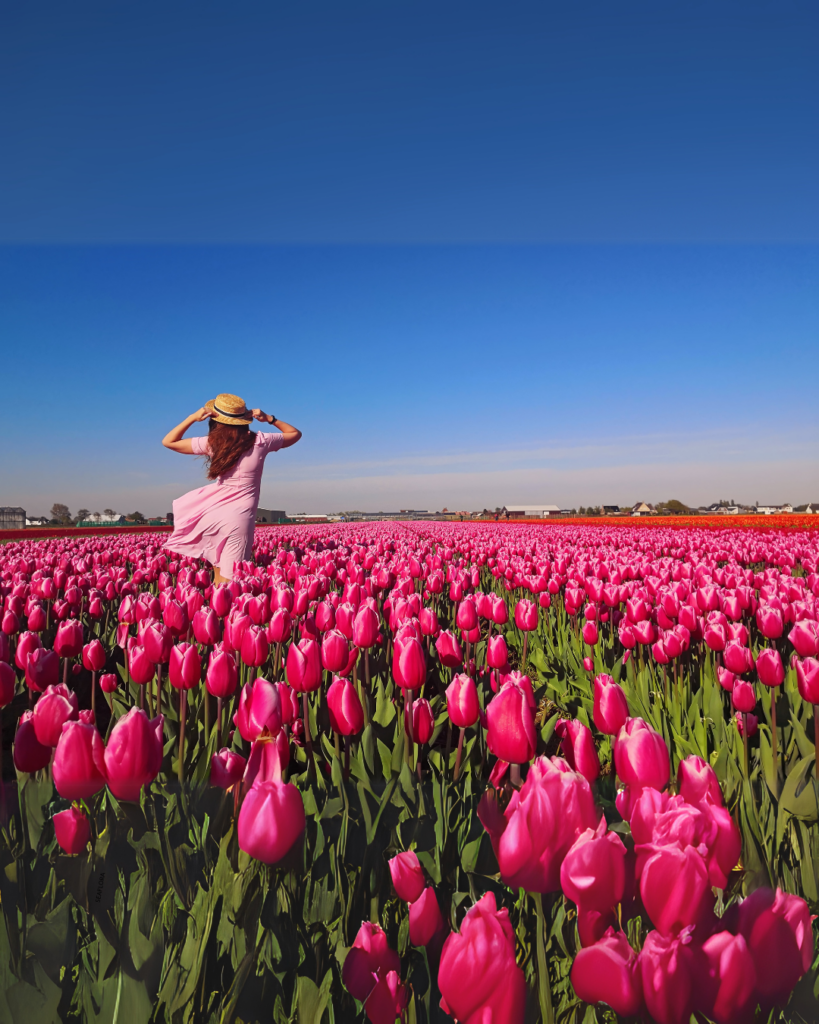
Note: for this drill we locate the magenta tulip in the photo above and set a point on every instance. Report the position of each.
(770, 622)
(409, 668)
(42, 669)
(185, 668)
(697, 781)
(140, 666)
(610, 705)
(805, 638)
(369, 959)
(511, 725)
(777, 928)
(769, 667)
(609, 972)
(72, 830)
(593, 873)
(79, 762)
(207, 629)
(271, 821)
(675, 888)
(68, 641)
(133, 756)
(728, 994)
(526, 615)
(27, 643)
(737, 659)
(462, 701)
(156, 640)
(407, 876)
(222, 676)
(641, 756)
(57, 706)
(425, 920)
(478, 977)
(280, 627)
(335, 651)
(807, 677)
(304, 666)
(260, 708)
(93, 656)
(29, 754)
(344, 706)
(423, 721)
(226, 768)
(577, 744)
(449, 650)
(365, 627)
(670, 975)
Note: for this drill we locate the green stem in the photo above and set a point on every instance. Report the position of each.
(544, 991)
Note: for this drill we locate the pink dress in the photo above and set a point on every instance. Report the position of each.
(216, 522)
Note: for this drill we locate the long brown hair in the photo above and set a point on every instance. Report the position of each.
(227, 444)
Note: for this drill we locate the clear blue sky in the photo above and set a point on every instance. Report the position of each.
(479, 253)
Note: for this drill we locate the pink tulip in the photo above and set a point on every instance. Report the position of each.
(79, 762)
(670, 975)
(675, 888)
(409, 667)
(8, 683)
(641, 756)
(156, 640)
(226, 768)
(280, 626)
(449, 650)
(133, 756)
(730, 981)
(725, 678)
(743, 696)
(207, 629)
(590, 634)
(93, 656)
(423, 721)
(466, 617)
(697, 781)
(29, 754)
(269, 757)
(425, 920)
(304, 666)
(175, 617)
(271, 821)
(500, 613)
(140, 666)
(610, 705)
(108, 682)
(335, 651)
(770, 622)
(593, 874)
(738, 659)
(365, 627)
(478, 977)
(777, 929)
(260, 708)
(387, 1000)
(72, 830)
(185, 669)
(27, 643)
(753, 724)
(539, 825)
(344, 706)
(42, 669)
(807, 677)
(57, 706)
(462, 701)
(511, 725)
(68, 641)
(428, 621)
(769, 667)
(805, 638)
(221, 600)
(222, 675)
(255, 647)
(369, 959)
(497, 653)
(526, 615)
(407, 876)
(578, 747)
(609, 972)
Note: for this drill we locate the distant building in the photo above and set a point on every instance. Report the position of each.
(774, 510)
(642, 509)
(611, 510)
(271, 515)
(12, 517)
(114, 520)
(36, 521)
(527, 511)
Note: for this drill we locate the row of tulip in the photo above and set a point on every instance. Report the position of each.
(328, 636)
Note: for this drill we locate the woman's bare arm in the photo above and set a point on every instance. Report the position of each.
(291, 434)
(174, 440)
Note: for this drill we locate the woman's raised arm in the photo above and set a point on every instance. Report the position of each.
(291, 434)
(174, 440)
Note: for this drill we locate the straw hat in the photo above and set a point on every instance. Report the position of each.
(230, 409)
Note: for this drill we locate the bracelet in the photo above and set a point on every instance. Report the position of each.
(273, 419)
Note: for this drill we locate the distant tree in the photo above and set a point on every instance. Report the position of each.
(97, 516)
(82, 515)
(60, 513)
(109, 512)
(137, 517)
(675, 506)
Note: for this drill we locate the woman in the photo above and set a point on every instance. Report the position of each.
(217, 522)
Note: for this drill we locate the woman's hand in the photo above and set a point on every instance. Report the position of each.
(202, 414)
(262, 417)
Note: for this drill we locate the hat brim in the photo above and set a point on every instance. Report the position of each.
(233, 421)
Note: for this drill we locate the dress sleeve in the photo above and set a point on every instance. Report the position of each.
(199, 445)
(271, 442)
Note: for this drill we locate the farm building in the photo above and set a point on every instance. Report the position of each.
(270, 515)
(12, 517)
(524, 511)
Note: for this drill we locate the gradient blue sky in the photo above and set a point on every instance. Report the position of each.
(478, 253)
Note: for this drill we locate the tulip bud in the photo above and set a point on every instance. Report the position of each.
(8, 682)
(425, 919)
(462, 702)
(577, 744)
(409, 667)
(271, 821)
(185, 669)
(94, 656)
(641, 756)
(807, 676)
(407, 876)
(335, 651)
(108, 682)
(27, 644)
(280, 626)
(697, 780)
(428, 621)
(777, 929)
(590, 634)
(222, 675)
(133, 756)
(207, 629)
(804, 636)
(29, 754)
(669, 972)
(79, 765)
(68, 641)
(260, 708)
(72, 830)
(449, 650)
(226, 768)
(743, 696)
(610, 705)
(478, 975)
(255, 647)
(497, 653)
(675, 888)
(609, 972)
(365, 627)
(769, 667)
(593, 873)
(369, 958)
(57, 706)
(423, 721)
(511, 726)
(304, 666)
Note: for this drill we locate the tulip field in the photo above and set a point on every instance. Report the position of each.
(487, 773)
